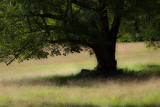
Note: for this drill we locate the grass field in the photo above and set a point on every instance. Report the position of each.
(53, 82)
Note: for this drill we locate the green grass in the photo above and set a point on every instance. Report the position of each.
(56, 82)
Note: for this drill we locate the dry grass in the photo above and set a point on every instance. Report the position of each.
(45, 83)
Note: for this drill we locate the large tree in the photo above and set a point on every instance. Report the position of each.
(39, 28)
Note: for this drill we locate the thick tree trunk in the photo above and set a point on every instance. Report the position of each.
(105, 52)
(106, 58)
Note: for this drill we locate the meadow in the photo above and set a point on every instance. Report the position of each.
(54, 82)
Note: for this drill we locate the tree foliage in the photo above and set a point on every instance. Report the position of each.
(38, 28)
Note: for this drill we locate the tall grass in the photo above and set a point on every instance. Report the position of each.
(55, 82)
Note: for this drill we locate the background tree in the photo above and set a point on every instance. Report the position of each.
(38, 28)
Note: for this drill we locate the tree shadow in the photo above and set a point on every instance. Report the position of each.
(63, 105)
(145, 105)
(89, 79)
(47, 104)
(91, 105)
(149, 105)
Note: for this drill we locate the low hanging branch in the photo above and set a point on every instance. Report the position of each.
(19, 52)
(69, 40)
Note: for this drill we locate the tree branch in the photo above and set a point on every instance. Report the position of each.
(116, 23)
(115, 27)
(78, 42)
(46, 26)
(17, 55)
(56, 17)
(83, 4)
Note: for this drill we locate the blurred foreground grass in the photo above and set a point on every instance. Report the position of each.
(53, 82)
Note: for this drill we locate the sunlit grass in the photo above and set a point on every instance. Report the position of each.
(113, 94)
(53, 82)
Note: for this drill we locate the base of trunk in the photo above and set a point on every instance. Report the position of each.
(97, 73)
(106, 59)
(104, 67)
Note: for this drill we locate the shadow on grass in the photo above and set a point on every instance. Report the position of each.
(90, 78)
(90, 105)
(146, 105)
(64, 105)
(44, 104)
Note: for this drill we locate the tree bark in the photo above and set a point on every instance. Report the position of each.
(105, 52)
(105, 56)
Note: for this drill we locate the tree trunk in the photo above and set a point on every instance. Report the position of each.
(105, 52)
(106, 58)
